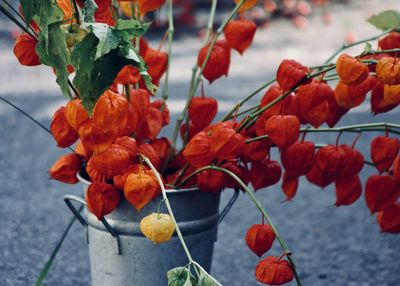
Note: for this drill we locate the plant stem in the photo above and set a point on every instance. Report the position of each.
(346, 46)
(259, 206)
(243, 101)
(16, 22)
(76, 14)
(170, 35)
(198, 80)
(19, 16)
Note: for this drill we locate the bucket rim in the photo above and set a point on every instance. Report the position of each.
(168, 191)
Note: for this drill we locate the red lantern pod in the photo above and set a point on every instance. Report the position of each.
(292, 107)
(389, 219)
(313, 102)
(198, 151)
(283, 130)
(210, 181)
(255, 151)
(378, 103)
(390, 41)
(75, 113)
(25, 50)
(120, 180)
(298, 158)
(290, 73)
(381, 191)
(93, 173)
(226, 143)
(101, 198)
(264, 173)
(163, 107)
(146, 6)
(290, 184)
(150, 123)
(219, 61)
(270, 95)
(335, 112)
(240, 33)
(396, 167)
(350, 70)
(128, 75)
(353, 161)
(192, 130)
(61, 130)
(259, 238)
(348, 190)
(383, 152)
(202, 111)
(156, 63)
(241, 173)
(149, 151)
(94, 138)
(350, 96)
(274, 271)
(65, 169)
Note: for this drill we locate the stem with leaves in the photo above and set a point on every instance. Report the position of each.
(258, 205)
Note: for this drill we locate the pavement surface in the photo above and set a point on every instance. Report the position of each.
(332, 246)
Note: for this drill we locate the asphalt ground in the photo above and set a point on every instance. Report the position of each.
(332, 246)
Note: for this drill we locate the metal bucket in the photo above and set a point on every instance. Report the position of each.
(119, 253)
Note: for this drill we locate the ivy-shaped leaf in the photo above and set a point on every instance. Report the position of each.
(108, 39)
(386, 20)
(131, 28)
(205, 279)
(180, 276)
(89, 8)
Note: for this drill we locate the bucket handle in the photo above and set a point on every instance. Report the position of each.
(68, 200)
(229, 205)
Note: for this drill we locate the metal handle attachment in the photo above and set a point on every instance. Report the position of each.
(83, 221)
(229, 205)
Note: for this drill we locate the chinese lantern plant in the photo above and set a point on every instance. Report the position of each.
(115, 113)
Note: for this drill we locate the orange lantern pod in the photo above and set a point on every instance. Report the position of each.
(128, 75)
(65, 6)
(189, 133)
(335, 112)
(240, 171)
(156, 62)
(383, 152)
(150, 123)
(353, 161)
(131, 120)
(146, 6)
(389, 219)
(378, 103)
(140, 188)
(313, 103)
(283, 130)
(290, 73)
(255, 151)
(111, 112)
(381, 191)
(226, 143)
(162, 147)
(62, 132)
(198, 151)
(259, 238)
(112, 161)
(348, 190)
(120, 180)
(290, 183)
(240, 33)
(246, 5)
(298, 158)
(202, 111)
(25, 50)
(264, 173)
(163, 108)
(101, 198)
(93, 173)
(350, 96)
(210, 181)
(65, 169)
(149, 151)
(388, 70)
(350, 70)
(94, 138)
(128, 143)
(75, 113)
(218, 62)
(274, 271)
(391, 94)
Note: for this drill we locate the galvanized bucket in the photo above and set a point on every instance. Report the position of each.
(119, 253)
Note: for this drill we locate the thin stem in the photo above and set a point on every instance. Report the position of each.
(19, 16)
(198, 80)
(258, 205)
(346, 46)
(170, 36)
(76, 14)
(15, 20)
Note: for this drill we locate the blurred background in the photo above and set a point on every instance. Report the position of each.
(332, 246)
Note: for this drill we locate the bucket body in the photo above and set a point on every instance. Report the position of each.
(141, 262)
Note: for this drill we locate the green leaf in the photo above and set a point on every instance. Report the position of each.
(131, 28)
(89, 8)
(205, 279)
(180, 276)
(108, 39)
(52, 51)
(386, 20)
(368, 47)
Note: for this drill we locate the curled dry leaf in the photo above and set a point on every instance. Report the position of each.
(157, 227)
(101, 198)
(259, 238)
(65, 169)
(273, 271)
